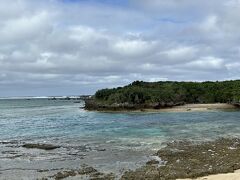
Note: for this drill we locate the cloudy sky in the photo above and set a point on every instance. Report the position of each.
(64, 47)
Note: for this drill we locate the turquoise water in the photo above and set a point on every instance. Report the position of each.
(41, 118)
(106, 140)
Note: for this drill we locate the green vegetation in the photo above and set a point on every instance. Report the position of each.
(140, 92)
(141, 95)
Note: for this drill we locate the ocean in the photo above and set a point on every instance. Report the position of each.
(110, 142)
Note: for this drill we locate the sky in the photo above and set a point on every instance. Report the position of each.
(73, 47)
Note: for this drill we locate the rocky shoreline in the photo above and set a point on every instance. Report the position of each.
(191, 160)
(92, 105)
(178, 160)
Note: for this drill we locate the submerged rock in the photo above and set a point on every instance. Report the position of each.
(41, 146)
(65, 174)
(84, 171)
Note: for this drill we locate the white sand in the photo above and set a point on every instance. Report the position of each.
(228, 176)
(195, 108)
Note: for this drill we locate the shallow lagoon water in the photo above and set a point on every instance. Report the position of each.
(110, 142)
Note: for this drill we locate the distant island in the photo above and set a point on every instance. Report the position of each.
(141, 95)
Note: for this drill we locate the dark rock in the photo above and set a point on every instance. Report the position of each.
(95, 105)
(86, 170)
(64, 174)
(101, 149)
(41, 146)
(43, 170)
(152, 162)
(67, 98)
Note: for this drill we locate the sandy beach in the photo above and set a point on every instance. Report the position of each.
(199, 107)
(185, 108)
(227, 176)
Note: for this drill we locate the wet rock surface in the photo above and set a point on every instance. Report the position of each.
(41, 146)
(190, 160)
(87, 171)
(152, 162)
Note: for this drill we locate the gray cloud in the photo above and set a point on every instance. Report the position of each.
(54, 47)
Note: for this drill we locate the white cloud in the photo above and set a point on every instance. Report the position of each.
(207, 63)
(24, 28)
(85, 34)
(135, 47)
(181, 53)
(85, 46)
(210, 24)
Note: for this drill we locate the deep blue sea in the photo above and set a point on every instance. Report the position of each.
(110, 142)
